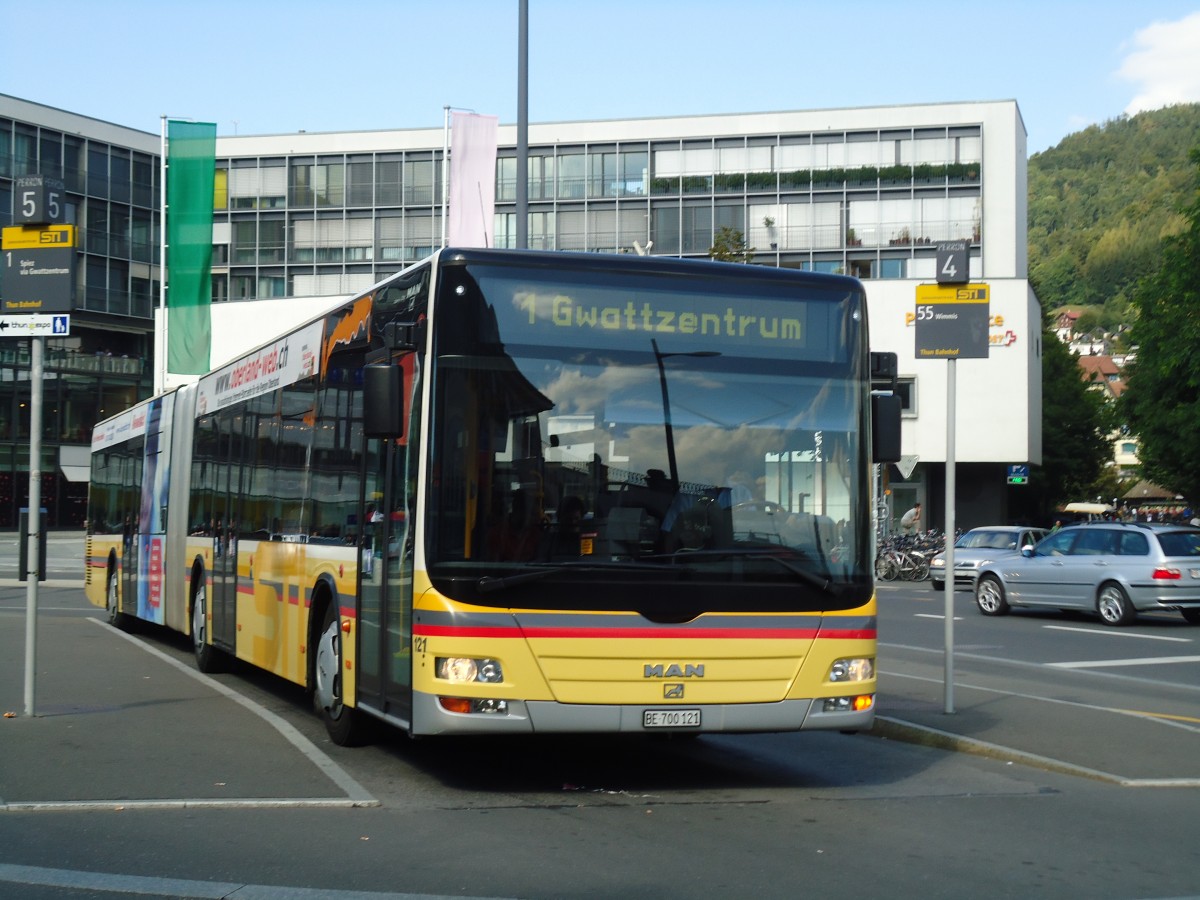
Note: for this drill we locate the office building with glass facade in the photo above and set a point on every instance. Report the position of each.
(868, 192)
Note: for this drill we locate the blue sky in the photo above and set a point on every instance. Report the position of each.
(267, 66)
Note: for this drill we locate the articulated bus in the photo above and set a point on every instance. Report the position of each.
(516, 492)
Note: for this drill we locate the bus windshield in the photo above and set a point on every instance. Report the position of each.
(601, 428)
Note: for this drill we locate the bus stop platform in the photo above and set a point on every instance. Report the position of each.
(118, 726)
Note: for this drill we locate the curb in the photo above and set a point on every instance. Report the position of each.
(912, 733)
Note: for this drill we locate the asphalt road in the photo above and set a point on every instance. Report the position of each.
(141, 777)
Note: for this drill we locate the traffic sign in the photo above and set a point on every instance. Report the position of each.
(35, 326)
(1018, 474)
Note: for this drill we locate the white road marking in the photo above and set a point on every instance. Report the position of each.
(1113, 633)
(1113, 663)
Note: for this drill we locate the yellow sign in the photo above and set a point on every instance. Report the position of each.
(34, 237)
(952, 293)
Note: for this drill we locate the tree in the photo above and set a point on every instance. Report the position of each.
(1075, 425)
(729, 245)
(1161, 402)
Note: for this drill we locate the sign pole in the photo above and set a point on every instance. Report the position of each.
(34, 520)
(952, 323)
(951, 431)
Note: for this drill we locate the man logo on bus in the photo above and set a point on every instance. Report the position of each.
(674, 670)
(673, 691)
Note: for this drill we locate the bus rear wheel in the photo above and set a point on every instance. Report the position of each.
(208, 658)
(346, 726)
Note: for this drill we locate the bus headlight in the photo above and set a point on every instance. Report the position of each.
(463, 670)
(861, 668)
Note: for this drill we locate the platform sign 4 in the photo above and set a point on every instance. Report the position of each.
(953, 262)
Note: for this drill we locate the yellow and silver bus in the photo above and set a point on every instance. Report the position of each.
(515, 492)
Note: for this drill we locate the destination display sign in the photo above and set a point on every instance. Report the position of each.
(952, 321)
(38, 268)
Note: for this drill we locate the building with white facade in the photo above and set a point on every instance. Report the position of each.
(869, 192)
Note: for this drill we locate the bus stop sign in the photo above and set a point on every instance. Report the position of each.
(952, 321)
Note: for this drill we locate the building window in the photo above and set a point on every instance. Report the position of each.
(506, 180)
(906, 390)
(256, 188)
(359, 183)
(571, 176)
(697, 234)
(633, 174)
(329, 184)
(419, 183)
(97, 170)
(387, 182)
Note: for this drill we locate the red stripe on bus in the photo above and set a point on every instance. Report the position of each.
(794, 634)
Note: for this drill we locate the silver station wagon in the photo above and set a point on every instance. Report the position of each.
(1111, 568)
(980, 546)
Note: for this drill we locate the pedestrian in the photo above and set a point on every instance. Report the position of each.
(910, 522)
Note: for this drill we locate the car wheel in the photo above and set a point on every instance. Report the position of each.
(989, 596)
(1114, 606)
(1192, 616)
(938, 585)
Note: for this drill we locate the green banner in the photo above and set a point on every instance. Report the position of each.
(191, 150)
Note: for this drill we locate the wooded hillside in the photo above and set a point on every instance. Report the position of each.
(1100, 204)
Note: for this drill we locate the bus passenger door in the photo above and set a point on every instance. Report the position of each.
(226, 489)
(385, 632)
(131, 493)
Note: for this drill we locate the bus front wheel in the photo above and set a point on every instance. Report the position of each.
(116, 618)
(345, 725)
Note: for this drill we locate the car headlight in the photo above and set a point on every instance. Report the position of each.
(937, 563)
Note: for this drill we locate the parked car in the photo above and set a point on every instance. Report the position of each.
(1114, 569)
(980, 546)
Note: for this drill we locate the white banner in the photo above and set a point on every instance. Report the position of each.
(276, 365)
(470, 219)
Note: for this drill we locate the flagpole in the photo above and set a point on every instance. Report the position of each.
(161, 349)
(445, 165)
(523, 126)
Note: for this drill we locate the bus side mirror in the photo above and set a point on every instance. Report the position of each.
(885, 428)
(383, 401)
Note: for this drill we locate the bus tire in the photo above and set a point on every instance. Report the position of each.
(116, 618)
(346, 726)
(209, 659)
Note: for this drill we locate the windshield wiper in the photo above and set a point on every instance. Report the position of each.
(489, 583)
(822, 581)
